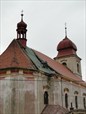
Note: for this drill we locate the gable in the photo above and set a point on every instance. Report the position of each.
(13, 57)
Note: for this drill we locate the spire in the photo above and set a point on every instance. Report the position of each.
(65, 30)
(22, 15)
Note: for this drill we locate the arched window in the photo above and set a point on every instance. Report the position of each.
(66, 100)
(76, 101)
(45, 97)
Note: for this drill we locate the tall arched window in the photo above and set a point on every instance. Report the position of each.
(84, 102)
(46, 97)
(66, 90)
(66, 100)
(76, 101)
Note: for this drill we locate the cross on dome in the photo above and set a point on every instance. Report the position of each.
(65, 29)
(22, 15)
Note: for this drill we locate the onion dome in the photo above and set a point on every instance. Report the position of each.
(66, 43)
(21, 24)
(66, 47)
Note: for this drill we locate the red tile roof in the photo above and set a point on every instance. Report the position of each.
(61, 69)
(14, 56)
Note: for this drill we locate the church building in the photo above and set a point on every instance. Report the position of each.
(33, 83)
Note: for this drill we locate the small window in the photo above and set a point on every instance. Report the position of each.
(66, 100)
(65, 64)
(45, 97)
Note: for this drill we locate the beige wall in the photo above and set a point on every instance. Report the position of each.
(17, 95)
(24, 94)
(59, 93)
(72, 62)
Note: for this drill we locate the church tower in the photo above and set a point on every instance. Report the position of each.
(67, 55)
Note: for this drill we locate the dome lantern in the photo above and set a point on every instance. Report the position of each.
(21, 31)
(21, 28)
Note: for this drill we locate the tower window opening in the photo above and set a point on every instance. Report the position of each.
(21, 35)
(64, 63)
(78, 68)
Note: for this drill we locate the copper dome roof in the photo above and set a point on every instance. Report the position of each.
(66, 44)
(21, 24)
